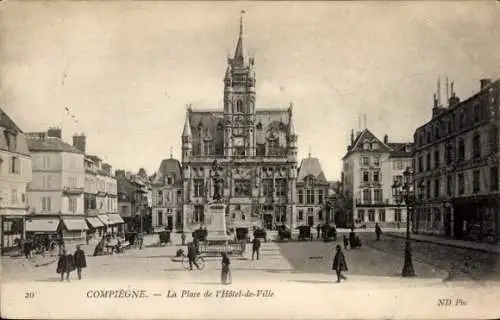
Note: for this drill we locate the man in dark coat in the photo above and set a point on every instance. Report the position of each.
(353, 239)
(378, 231)
(226, 271)
(65, 264)
(339, 264)
(256, 247)
(80, 261)
(318, 230)
(192, 253)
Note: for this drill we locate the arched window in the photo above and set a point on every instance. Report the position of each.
(239, 106)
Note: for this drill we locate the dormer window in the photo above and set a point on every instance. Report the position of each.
(374, 146)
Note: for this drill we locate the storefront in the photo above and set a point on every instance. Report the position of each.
(42, 226)
(74, 230)
(477, 218)
(96, 227)
(116, 223)
(12, 233)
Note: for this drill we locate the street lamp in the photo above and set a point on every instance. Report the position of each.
(404, 194)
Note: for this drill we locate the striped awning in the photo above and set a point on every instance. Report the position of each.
(95, 222)
(75, 224)
(42, 224)
(115, 218)
(104, 219)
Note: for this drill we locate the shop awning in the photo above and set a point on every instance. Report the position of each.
(73, 224)
(104, 219)
(42, 224)
(95, 222)
(115, 218)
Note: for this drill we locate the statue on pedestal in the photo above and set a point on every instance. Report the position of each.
(217, 181)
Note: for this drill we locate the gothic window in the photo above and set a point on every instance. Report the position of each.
(273, 146)
(198, 187)
(461, 183)
(267, 187)
(207, 148)
(280, 214)
(239, 151)
(300, 193)
(261, 149)
(199, 215)
(280, 187)
(239, 106)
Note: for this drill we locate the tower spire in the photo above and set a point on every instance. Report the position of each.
(238, 54)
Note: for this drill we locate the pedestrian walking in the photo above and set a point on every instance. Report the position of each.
(318, 230)
(378, 231)
(226, 277)
(339, 264)
(65, 265)
(80, 261)
(346, 241)
(192, 253)
(256, 247)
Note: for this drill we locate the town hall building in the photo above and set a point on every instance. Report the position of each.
(256, 153)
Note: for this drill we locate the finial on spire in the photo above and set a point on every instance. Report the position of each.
(309, 151)
(171, 153)
(241, 22)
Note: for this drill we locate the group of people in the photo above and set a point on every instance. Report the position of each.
(69, 262)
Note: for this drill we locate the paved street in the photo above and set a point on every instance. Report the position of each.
(462, 263)
(377, 261)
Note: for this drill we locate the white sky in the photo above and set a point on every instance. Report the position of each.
(126, 70)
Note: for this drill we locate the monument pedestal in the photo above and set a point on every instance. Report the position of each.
(215, 222)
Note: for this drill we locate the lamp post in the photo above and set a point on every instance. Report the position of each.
(404, 194)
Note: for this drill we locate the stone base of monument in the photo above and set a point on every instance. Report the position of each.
(215, 222)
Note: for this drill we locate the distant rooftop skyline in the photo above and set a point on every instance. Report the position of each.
(123, 72)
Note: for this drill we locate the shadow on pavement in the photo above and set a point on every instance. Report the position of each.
(208, 282)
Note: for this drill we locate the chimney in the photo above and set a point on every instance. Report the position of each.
(386, 138)
(80, 142)
(54, 132)
(352, 137)
(485, 82)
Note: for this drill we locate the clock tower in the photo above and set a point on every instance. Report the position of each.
(239, 103)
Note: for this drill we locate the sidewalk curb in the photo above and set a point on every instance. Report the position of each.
(444, 244)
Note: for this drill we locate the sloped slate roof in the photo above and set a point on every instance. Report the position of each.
(51, 144)
(124, 186)
(399, 149)
(311, 166)
(168, 166)
(7, 124)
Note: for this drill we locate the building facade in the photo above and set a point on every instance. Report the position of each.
(15, 174)
(167, 196)
(256, 152)
(312, 191)
(456, 158)
(56, 193)
(134, 201)
(100, 193)
(370, 168)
